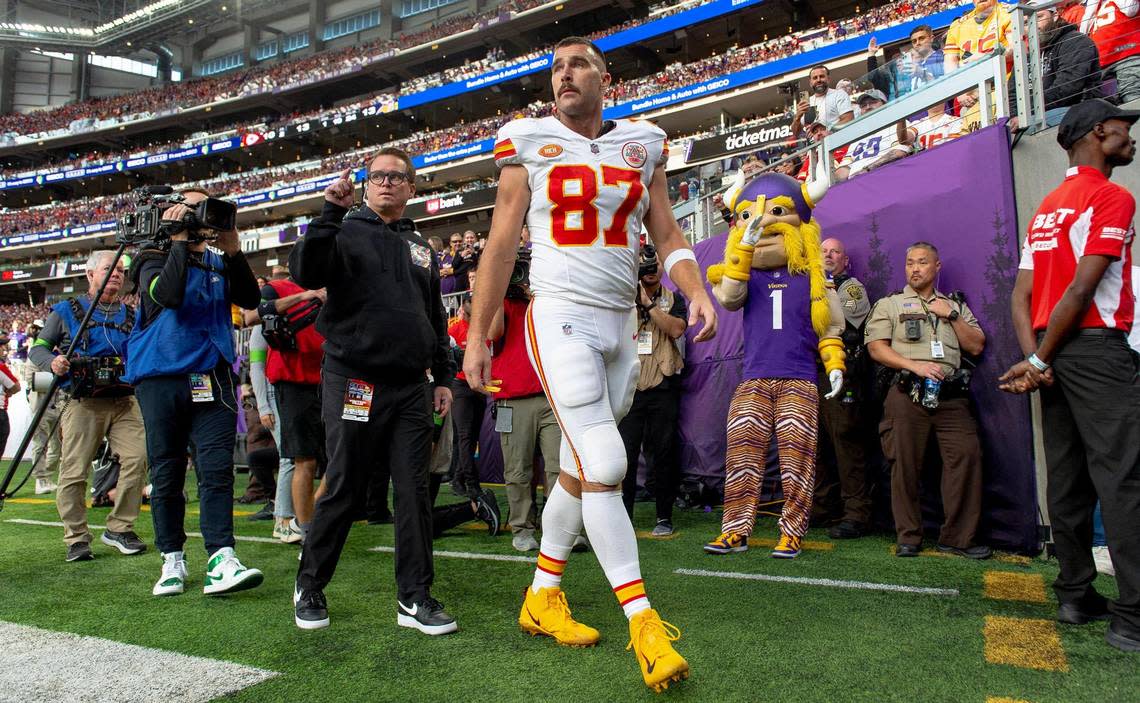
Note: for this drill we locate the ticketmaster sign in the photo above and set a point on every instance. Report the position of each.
(762, 136)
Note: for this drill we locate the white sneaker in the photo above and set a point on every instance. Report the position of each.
(1103, 561)
(225, 574)
(173, 579)
(291, 532)
(44, 485)
(524, 542)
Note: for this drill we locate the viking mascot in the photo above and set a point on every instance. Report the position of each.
(773, 269)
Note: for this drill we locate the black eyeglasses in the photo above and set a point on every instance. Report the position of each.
(395, 178)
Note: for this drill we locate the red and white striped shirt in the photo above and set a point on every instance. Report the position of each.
(1087, 215)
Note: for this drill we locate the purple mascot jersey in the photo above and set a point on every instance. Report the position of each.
(779, 340)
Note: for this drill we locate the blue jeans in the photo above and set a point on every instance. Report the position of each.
(173, 422)
(1098, 528)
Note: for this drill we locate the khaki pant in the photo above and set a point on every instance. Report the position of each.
(531, 420)
(85, 423)
(46, 466)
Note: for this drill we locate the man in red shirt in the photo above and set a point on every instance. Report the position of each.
(1073, 309)
(523, 417)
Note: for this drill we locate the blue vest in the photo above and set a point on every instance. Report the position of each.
(106, 335)
(192, 338)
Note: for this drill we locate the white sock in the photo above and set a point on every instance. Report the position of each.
(561, 524)
(611, 537)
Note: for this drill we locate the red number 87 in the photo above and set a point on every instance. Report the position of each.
(582, 202)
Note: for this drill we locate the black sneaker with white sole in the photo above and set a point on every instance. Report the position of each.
(126, 542)
(80, 551)
(487, 510)
(427, 616)
(310, 610)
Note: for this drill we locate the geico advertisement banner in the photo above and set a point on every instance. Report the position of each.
(747, 139)
(444, 205)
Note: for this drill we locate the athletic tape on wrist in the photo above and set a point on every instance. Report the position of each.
(677, 256)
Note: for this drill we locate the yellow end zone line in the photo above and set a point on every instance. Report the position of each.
(1024, 643)
(1006, 585)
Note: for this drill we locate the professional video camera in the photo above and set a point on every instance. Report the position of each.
(520, 274)
(647, 261)
(281, 329)
(204, 222)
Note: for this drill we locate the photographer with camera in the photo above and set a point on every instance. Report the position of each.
(100, 405)
(384, 327)
(651, 423)
(523, 416)
(180, 360)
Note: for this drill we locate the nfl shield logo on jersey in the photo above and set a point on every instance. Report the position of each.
(567, 330)
(634, 154)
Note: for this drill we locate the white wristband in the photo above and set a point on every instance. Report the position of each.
(678, 255)
(1037, 363)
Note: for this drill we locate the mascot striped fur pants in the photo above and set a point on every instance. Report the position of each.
(759, 406)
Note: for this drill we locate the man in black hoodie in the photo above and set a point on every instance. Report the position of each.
(1070, 67)
(384, 327)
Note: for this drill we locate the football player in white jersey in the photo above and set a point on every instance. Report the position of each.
(585, 187)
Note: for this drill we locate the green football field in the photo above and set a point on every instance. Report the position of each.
(846, 621)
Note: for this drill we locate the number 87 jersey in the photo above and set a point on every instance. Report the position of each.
(588, 199)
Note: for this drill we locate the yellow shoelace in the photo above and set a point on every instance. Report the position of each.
(669, 631)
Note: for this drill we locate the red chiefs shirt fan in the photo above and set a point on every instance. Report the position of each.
(1086, 215)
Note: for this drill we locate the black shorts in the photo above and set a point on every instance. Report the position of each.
(302, 431)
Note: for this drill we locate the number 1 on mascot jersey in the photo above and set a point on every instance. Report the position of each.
(565, 205)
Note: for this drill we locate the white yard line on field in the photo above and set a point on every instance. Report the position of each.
(828, 583)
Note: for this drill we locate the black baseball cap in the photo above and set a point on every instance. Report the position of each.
(1082, 117)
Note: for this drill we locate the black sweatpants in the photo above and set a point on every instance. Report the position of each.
(651, 424)
(468, 409)
(397, 435)
(1091, 427)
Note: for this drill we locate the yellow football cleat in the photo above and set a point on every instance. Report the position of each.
(546, 613)
(650, 637)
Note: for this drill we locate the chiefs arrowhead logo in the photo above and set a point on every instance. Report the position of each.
(550, 150)
(251, 138)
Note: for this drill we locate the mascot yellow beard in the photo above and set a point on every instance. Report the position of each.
(773, 269)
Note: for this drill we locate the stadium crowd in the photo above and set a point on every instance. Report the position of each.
(675, 75)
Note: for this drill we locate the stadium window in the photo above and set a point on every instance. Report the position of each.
(265, 50)
(293, 42)
(351, 25)
(415, 7)
(222, 64)
(118, 63)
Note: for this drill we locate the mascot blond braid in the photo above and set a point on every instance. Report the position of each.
(773, 269)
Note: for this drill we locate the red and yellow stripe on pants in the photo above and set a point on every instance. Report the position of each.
(790, 407)
(628, 592)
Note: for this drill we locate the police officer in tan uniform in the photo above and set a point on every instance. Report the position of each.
(844, 418)
(922, 334)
